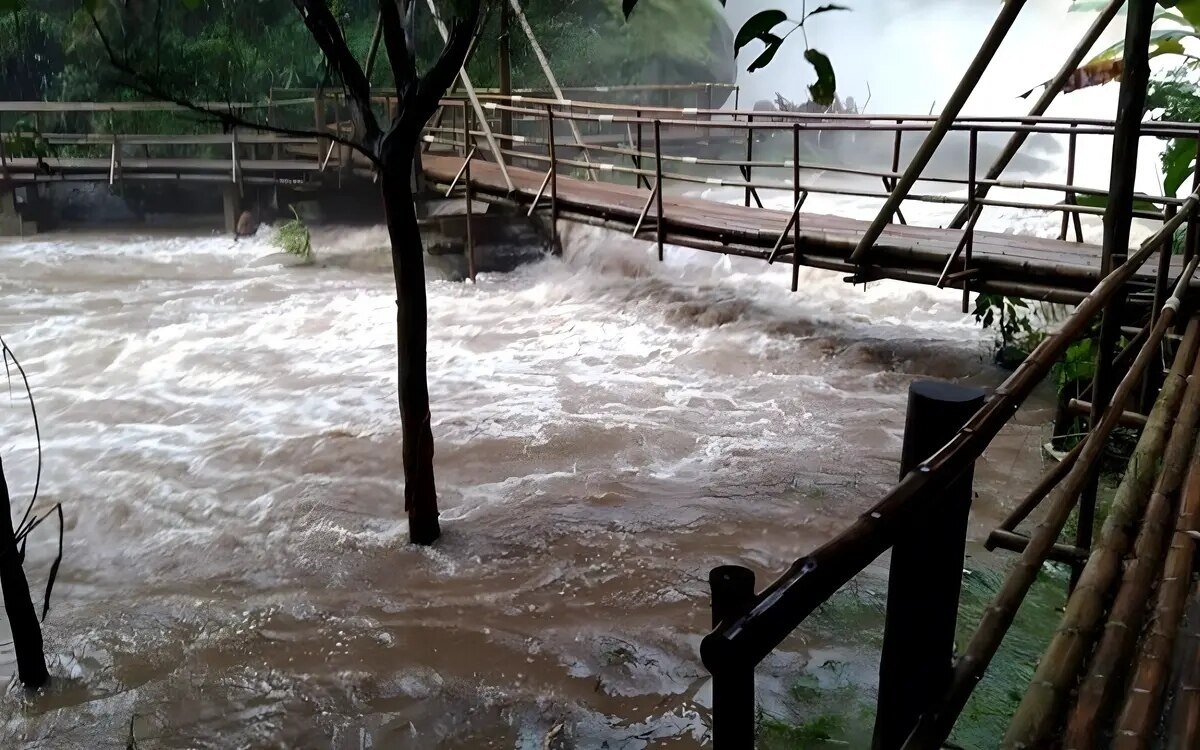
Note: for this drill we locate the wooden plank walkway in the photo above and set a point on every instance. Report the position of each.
(1035, 267)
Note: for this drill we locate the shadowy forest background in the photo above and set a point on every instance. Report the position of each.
(241, 49)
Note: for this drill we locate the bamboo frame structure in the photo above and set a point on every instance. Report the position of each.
(1099, 689)
(1147, 687)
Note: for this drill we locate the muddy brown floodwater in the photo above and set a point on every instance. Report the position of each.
(224, 440)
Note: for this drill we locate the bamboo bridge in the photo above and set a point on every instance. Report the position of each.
(1123, 670)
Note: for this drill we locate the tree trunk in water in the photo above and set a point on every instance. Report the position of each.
(412, 322)
(26, 631)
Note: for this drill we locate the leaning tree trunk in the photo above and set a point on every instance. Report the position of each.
(22, 618)
(412, 320)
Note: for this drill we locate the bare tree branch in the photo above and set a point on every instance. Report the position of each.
(146, 86)
(396, 42)
(459, 43)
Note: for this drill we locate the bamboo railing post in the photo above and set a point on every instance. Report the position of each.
(1069, 197)
(1131, 102)
(659, 225)
(733, 682)
(926, 570)
(1161, 281)
(795, 202)
(470, 195)
(746, 170)
(553, 180)
(1004, 21)
(1098, 691)
(467, 136)
(973, 151)
(899, 214)
(1193, 226)
(638, 159)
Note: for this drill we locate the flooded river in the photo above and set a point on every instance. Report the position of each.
(225, 442)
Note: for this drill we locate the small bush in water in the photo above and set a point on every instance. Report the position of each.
(293, 238)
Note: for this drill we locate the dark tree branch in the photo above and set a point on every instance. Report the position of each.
(394, 39)
(328, 35)
(146, 86)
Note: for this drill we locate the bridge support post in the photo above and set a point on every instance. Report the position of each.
(926, 570)
(733, 683)
(231, 202)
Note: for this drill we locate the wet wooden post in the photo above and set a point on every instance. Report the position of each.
(659, 229)
(926, 570)
(733, 683)
(22, 618)
(795, 202)
(470, 195)
(637, 113)
(553, 180)
(899, 215)
(1069, 199)
(746, 170)
(1193, 225)
(504, 70)
(1131, 105)
(708, 105)
(466, 111)
(972, 199)
(1153, 376)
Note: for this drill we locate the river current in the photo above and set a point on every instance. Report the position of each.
(225, 443)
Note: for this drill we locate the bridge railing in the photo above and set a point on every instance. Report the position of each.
(650, 146)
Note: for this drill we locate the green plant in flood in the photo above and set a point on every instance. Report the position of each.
(294, 238)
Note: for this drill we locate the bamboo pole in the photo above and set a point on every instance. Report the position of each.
(1184, 733)
(1099, 689)
(1131, 102)
(1044, 486)
(1144, 698)
(1053, 87)
(1038, 713)
(1004, 21)
(935, 726)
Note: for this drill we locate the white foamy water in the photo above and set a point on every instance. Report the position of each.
(225, 441)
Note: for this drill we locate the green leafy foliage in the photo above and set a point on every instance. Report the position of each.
(762, 27)
(294, 238)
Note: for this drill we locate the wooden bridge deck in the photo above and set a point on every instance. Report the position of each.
(1055, 269)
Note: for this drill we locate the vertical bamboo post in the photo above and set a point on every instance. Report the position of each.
(1131, 105)
(708, 105)
(553, 180)
(466, 147)
(746, 171)
(899, 215)
(1069, 196)
(1161, 280)
(733, 683)
(1193, 225)
(795, 202)
(470, 193)
(659, 228)
(505, 70)
(926, 570)
(972, 155)
(638, 159)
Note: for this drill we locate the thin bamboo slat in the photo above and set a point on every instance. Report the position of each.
(1099, 689)
(1056, 672)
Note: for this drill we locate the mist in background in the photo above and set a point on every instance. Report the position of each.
(912, 53)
